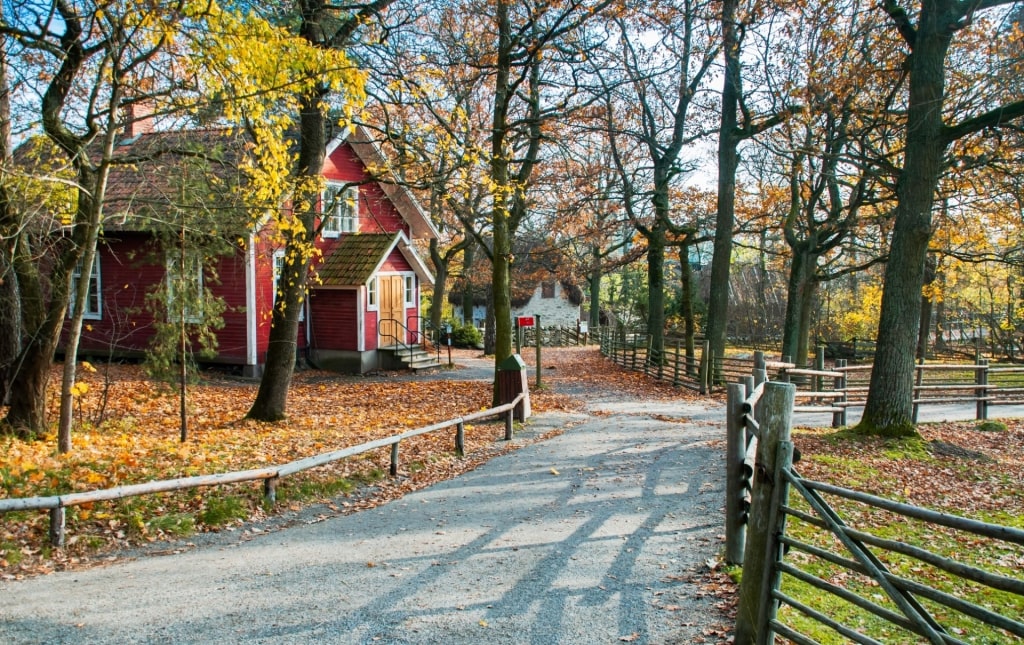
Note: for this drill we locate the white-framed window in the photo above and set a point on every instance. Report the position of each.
(410, 291)
(278, 268)
(371, 294)
(189, 284)
(340, 210)
(93, 304)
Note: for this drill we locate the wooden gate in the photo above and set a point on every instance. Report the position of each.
(392, 309)
(862, 586)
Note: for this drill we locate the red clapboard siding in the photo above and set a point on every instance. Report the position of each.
(129, 269)
(333, 319)
(230, 286)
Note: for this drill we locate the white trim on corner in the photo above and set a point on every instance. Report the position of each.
(251, 355)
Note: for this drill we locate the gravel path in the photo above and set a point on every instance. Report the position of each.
(592, 536)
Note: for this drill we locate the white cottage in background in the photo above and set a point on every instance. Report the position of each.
(557, 303)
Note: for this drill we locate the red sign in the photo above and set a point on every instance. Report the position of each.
(525, 321)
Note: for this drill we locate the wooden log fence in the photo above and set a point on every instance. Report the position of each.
(270, 476)
(760, 522)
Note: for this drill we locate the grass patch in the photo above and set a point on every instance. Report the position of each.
(223, 509)
(175, 524)
(991, 426)
(979, 479)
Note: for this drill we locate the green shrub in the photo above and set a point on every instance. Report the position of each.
(466, 336)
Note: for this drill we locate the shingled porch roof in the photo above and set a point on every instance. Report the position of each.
(358, 256)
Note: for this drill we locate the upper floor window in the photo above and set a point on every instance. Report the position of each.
(340, 210)
(93, 304)
(547, 289)
(278, 270)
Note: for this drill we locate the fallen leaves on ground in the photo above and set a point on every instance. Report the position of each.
(127, 432)
(963, 470)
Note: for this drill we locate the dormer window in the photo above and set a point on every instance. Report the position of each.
(340, 210)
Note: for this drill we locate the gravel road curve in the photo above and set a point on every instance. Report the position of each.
(591, 536)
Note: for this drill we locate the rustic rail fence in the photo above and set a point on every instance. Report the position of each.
(516, 409)
(887, 587)
(821, 389)
(835, 390)
(555, 336)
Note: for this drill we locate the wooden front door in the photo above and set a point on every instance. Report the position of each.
(392, 309)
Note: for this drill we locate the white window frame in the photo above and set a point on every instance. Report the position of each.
(372, 295)
(95, 290)
(340, 210)
(409, 289)
(278, 267)
(194, 266)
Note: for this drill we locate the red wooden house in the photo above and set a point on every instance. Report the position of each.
(365, 295)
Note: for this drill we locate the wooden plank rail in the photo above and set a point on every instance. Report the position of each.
(269, 475)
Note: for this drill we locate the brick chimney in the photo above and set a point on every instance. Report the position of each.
(138, 115)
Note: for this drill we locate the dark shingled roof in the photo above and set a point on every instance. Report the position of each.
(353, 261)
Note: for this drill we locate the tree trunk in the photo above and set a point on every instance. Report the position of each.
(689, 318)
(468, 299)
(501, 296)
(489, 328)
(728, 161)
(656, 291)
(798, 293)
(40, 324)
(271, 402)
(10, 307)
(594, 285)
(889, 406)
(440, 284)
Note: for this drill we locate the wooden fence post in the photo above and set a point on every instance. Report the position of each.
(776, 410)
(460, 437)
(839, 418)
(539, 369)
(760, 372)
(819, 364)
(270, 490)
(57, 526)
(981, 379)
(393, 471)
(735, 449)
(675, 369)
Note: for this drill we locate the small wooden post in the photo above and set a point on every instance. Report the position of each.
(270, 490)
(57, 526)
(394, 460)
(735, 446)
(776, 410)
(675, 370)
(981, 380)
(460, 437)
(509, 425)
(839, 418)
(538, 369)
(819, 364)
